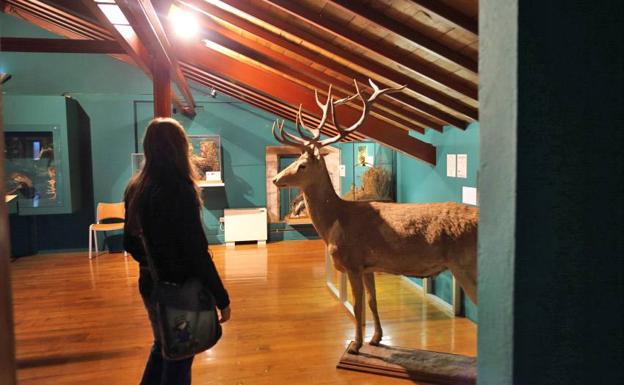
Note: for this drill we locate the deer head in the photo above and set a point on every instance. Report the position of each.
(310, 166)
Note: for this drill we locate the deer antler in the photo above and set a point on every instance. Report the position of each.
(316, 132)
(286, 138)
(366, 105)
(305, 141)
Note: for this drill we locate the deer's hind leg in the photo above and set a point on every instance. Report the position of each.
(466, 274)
(369, 283)
(357, 288)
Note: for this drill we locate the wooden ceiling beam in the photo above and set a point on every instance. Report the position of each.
(65, 24)
(133, 46)
(146, 24)
(62, 18)
(52, 24)
(395, 27)
(25, 44)
(392, 52)
(257, 99)
(450, 15)
(295, 94)
(253, 100)
(391, 104)
(292, 68)
(55, 20)
(128, 40)
(424, 68)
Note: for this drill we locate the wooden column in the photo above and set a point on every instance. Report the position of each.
(7, 336)
(162, 90)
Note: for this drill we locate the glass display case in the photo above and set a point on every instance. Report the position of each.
(206, 157)
(205, 151)
(34, 171)
(292, 207)
(369, 171)
(48, 154)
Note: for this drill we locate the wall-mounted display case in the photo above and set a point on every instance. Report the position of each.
(206, 157)
(44, 160)
(33, 168)
(369, 171)
(205, 153)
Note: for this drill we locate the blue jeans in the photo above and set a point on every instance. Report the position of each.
(159, 370)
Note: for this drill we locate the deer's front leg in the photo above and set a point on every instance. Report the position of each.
(357, 288)
(369, 282)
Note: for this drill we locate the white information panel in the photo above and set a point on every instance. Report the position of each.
(451, 162)
(462, 165)
(213, 176)
(469, 195)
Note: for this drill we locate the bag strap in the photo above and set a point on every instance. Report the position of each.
(148, 255)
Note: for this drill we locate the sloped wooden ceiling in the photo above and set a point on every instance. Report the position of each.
(274, 53)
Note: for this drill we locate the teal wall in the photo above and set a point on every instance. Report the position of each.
(419, 182)
(117, 98)
(550, 238)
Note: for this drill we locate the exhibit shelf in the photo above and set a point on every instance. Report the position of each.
(298, 221)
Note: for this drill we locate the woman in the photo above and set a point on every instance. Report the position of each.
(164, 199)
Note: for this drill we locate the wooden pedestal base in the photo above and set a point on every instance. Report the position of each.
(419, 365)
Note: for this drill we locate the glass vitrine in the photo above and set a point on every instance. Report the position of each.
(34, 169)
(292, 206)
(206, 157)
(48, 154)
(369, 171)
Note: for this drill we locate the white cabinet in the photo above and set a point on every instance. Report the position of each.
(245, 225)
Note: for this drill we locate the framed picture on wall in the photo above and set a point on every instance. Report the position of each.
(205, 153)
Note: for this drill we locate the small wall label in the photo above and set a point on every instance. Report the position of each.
(451, 162)
(462, 165)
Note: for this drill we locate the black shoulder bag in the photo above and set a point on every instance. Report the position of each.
(187, 316)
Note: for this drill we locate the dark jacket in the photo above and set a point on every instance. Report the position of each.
(173, 229)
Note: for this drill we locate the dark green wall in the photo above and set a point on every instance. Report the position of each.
(550, 268)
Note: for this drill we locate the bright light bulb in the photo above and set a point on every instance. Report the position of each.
(184, 24)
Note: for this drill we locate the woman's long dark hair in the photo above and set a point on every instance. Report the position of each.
(167, 166)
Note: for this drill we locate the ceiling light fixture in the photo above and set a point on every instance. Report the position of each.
(183, 23)
(113, 13)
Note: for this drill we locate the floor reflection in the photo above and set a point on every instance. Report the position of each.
(248, 263)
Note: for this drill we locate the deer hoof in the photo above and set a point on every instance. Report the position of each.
(355, 348)
(375, 340)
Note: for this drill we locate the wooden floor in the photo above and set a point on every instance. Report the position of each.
(83, 322)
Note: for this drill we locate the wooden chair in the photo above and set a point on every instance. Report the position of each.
(106, 211)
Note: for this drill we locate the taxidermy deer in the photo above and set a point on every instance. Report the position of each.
(365, 237)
